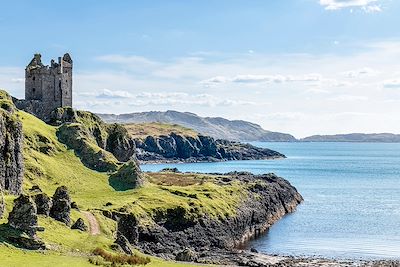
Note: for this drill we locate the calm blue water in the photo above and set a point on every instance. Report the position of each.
(351, 192)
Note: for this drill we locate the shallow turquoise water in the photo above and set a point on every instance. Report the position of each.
(351, 192)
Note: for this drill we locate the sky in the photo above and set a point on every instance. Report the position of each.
(297, 66)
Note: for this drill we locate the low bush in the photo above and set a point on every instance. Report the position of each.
(121, 258)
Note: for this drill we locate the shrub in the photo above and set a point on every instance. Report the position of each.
(121, 258)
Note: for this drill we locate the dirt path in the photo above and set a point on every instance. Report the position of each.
(93, 223)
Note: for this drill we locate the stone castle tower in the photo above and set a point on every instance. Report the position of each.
(47, 87)
(50, 84)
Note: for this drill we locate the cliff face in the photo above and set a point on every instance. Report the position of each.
(268, 199)
(175, 147)
(11, 136)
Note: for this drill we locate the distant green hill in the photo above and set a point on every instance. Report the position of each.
(355, 137)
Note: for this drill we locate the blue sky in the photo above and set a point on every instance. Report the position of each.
(298, 66)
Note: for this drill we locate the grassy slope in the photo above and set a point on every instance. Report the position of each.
(142, 130)
(50, 164)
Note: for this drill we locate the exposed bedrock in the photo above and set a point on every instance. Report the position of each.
(175, 231)
(175, 147)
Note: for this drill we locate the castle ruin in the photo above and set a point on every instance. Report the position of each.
(47, 87)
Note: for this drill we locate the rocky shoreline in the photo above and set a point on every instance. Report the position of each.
(178, 235)
(255, 259)
(176, 148)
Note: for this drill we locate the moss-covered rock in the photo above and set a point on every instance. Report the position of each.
(99, 145)
(129, 176)
(78, 138)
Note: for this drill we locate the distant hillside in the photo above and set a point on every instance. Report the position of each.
(218, 128)
(355, 137)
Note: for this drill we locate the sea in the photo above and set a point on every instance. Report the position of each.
(351, 193)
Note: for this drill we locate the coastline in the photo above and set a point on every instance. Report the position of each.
(256, 259)
(205, 160)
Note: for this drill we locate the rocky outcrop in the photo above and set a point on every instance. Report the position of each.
(123, 244)
(177, 235)
(100, 146)
(128, 227)
(11, 136)
(80, 225)
(175, 148)
(119, 143)
(129, 176)
(24, 217)
(43, 203)
(61, 208)
(186, 255)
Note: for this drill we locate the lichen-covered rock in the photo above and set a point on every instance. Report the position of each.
(43, 203)
(99, 145)
(76, 136)
(186, 255)
(61, 208)
(80, 225)
(11, 136)
(23, 217)
(129, 176)
(63, 115)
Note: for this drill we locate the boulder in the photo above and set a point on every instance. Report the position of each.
(80, 225)
(23, 217)
(186, 255)
(129, 176)
(74, 205)
(119, 143)
(43, 203)
(61, 209)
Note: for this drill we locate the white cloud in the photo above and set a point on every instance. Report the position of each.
(392, 83)
(341, 98)
(360, 72)
(369, 6)
(158, 99)
(251, 78)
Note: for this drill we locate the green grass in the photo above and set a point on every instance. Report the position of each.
(142, 130)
